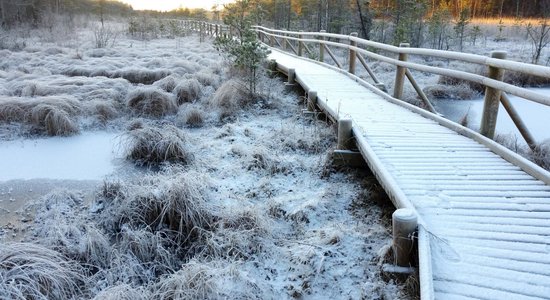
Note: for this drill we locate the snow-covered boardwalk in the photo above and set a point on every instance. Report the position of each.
(484, 222)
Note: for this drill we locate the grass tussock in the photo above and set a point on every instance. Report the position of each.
(541, 155)
(151, 102)
(187, 91)
(454, 91)
(167, 83)
(152, 146)
(192, 117)
(159, 219)
(30, 271)
(103, 110)
(123, 292)
(229, 97)
(209, 280)
(54, 116)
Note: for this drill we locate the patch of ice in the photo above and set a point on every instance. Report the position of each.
(89, 156)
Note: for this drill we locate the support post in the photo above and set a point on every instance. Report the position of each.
(400, 75)
(300, 44)
(492, 99)
(283, 42)
(514, 115)
(322, 47)
(344, 133)
(311, 100)
(404, 223)
(291, 76)
(352, 53)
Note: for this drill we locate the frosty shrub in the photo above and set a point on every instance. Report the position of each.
(187, 91)
(29, 271)
(149, 101)
(245, 52)
(104, 37)
(541, 155)
(152, 146)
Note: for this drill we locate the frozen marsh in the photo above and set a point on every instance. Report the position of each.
(227, 195)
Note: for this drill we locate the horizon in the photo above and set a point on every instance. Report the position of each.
(168, 5)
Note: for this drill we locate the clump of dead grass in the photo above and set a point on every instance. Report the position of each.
(54, 116)
(152, 146)
(192, 117)
(229, 97)
(140, 75)
(102, 109)
(30, 271)
(541, 155)
(215, 279)
(168, 83)
(453, 91)
(187, 91)
(151, 102)
(123, 292)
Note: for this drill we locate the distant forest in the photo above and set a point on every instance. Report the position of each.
(332, 15)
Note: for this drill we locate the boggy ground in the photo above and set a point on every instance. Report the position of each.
(235, 199)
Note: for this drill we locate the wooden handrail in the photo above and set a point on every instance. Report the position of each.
(526, 68)
(355, 47)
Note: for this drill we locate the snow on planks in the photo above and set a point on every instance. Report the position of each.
(488, 222)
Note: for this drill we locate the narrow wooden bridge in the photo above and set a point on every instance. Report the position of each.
(483, 211)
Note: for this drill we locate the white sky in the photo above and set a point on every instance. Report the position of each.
(164, 5)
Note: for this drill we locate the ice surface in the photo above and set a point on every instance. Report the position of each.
(88, 156)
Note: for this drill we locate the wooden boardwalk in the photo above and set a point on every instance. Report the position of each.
(484, 222)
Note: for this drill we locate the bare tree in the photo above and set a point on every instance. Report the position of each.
(365, 18)
(540, 38)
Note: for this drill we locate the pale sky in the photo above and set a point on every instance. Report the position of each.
(164, 5)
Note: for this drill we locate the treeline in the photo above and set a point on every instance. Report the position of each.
(477, 8)
(35, 12)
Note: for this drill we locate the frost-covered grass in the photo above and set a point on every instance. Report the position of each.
(151, 146)
(257, 213)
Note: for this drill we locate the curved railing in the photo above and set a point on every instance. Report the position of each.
(357, 48)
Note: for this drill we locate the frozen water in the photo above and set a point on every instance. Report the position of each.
(88, 156)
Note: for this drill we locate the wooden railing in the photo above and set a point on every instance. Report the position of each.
(358, 49)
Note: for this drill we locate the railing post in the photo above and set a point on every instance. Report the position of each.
(322, 47)
(283, 42)
(291, 76)
(344, 133)
(352, 53)
(217, 31)
(300, 45)
(271, 41)
(400, 75)
(311, 100)
(492, 99)
(404, 223)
